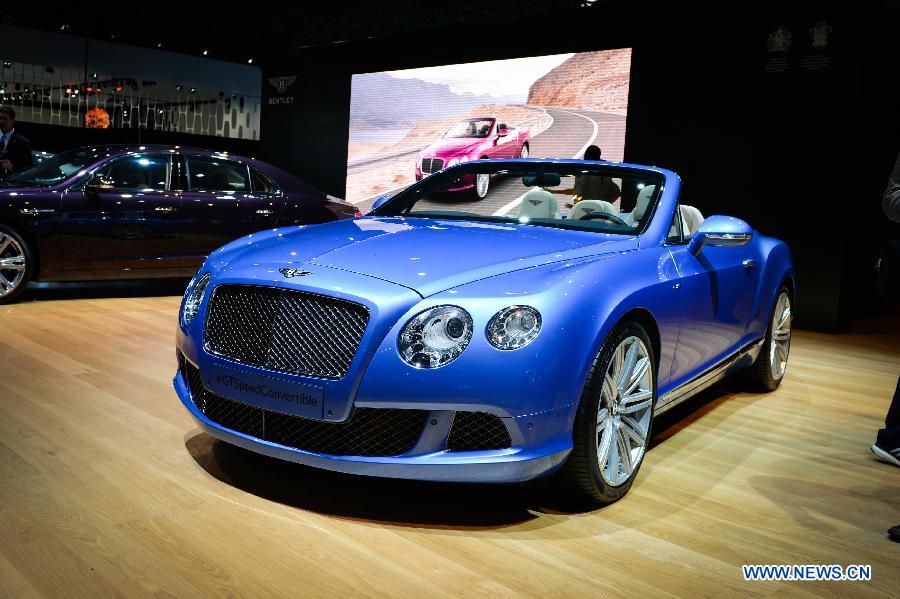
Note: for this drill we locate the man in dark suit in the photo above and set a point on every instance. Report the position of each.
(15, 149)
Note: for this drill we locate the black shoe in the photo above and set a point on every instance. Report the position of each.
(894, 533)
(891, 456)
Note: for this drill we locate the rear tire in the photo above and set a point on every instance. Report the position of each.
(482, 184)
(613, 423)
(16, 264)
(768, 370)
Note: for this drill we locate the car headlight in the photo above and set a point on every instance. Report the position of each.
(435, 337)
(514, 327)
(452, 162)
(193, 298)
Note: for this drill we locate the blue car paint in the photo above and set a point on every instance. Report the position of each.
(704, 309)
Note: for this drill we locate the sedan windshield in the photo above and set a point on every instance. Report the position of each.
(57, 168)
(471, 128)
(569, 195)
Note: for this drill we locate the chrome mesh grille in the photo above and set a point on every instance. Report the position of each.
(284, 330)
(368, 431)
(477, 431)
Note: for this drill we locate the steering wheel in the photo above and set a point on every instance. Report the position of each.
(605, 216)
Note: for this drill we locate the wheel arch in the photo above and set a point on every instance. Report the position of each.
(645, 318)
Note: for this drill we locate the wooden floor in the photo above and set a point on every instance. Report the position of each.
(108, 489)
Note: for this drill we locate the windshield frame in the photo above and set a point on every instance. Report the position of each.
(403, 201)
(471, 120)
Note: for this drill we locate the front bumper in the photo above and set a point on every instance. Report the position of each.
(514, 464)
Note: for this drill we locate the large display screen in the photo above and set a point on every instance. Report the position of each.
(405, 125)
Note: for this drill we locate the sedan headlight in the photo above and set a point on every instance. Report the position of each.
(514, 327)
(193, 298)
(435, 337)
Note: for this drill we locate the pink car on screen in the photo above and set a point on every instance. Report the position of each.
(475, 138)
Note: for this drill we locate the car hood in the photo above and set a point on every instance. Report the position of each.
(452, 145)
(425, 255)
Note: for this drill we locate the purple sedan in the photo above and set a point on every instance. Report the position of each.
(133, 212)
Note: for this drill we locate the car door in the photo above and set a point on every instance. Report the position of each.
(128, 225)
(219, 204)
(505, 147)
(718, 286)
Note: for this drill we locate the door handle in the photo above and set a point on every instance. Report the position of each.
(749, 264)
(165, 209)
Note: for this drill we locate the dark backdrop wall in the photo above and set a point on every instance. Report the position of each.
(799, 140)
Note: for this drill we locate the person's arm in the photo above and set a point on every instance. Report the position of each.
(891, 200)
(569, 191)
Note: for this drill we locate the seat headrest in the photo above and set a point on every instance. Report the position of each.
(691, 219)
(643, 200)
(541, 180)
(538, 203)
(590, 206)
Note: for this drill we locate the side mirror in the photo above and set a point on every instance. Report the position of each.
(97, 184)
(725, 231)
(380, 201)
(502, 130)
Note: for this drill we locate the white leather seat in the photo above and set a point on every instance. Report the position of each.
(590, 206)
(538, 203)
(691, 219)
(640, 207)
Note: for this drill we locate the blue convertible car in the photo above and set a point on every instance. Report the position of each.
(445, 337)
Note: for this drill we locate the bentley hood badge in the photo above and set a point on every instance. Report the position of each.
(290, 273)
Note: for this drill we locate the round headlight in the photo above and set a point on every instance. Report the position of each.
(514, 327)
(435, 337)
(193, 298)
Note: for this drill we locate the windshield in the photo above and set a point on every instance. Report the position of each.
(471, 128)
(571, 195)
(57, 168)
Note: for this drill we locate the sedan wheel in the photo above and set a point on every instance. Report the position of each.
(15, 267)
(614, 418)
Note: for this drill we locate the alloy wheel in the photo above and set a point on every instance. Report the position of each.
(625, 410)
(12, 264)
(482, 181)
(781, 336)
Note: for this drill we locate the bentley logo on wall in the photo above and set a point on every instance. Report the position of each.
(290, 273)
(281, 84)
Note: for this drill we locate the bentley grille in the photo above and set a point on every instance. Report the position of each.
(431, 165)
(284, 330)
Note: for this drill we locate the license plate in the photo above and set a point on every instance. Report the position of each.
(266, 392)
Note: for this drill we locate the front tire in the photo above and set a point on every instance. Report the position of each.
(768, 370)
(16, 264)
(614, 418)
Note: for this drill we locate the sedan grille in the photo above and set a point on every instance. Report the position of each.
(284, 330)
(431, 165)
(368, 431)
